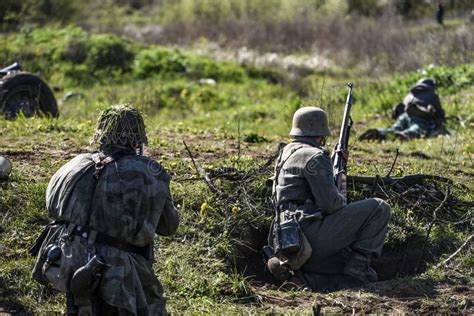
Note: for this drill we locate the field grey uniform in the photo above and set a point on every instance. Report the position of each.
(306, 183)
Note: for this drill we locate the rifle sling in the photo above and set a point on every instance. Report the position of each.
(279, 165)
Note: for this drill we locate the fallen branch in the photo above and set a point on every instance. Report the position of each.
(409, 180)
(418, 192)
(456, 252)
(274, 298)
(205, 178)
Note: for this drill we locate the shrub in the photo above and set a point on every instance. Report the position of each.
(271, 75)
(166, 62)
(202, 67)
(158, 61)
(189, 97)
(78, 74)
(14, 13)
(75, 51)
(108, 52)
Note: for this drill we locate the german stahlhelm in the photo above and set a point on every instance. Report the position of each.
(310, 121)
(425, 83)
(5, 167)
(120, 125)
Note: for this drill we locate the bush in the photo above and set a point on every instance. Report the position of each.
(78, 74)
(201, 67)
(166, 62)
(75, 51)
(191, 97)
(14, 13)
(108, 52)
(158, 61)
(271, 75)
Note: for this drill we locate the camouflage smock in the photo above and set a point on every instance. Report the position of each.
(131, 202)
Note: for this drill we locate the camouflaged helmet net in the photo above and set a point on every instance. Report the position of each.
(120, 125)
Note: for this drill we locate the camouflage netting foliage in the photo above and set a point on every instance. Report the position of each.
(120, 125)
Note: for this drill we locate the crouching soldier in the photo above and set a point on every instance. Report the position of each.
(420, 114)
(107, 207)
(337, 241)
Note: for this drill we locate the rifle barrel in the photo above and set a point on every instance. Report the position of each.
(339, 166)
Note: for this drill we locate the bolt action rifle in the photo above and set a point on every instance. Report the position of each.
(341, 149)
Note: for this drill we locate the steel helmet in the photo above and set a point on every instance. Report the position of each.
(310, 121)
(5, 167)
(427, 81)
(120, 125)
(425, 84)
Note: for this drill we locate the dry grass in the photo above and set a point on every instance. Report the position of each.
(387, 43)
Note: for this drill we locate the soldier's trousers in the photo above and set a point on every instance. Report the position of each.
(359, 226)
(413, 127)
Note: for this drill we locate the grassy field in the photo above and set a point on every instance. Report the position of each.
(233, 128)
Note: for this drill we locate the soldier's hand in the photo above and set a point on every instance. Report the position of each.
(343, 152)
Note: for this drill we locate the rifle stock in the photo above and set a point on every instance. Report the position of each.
(340, 162)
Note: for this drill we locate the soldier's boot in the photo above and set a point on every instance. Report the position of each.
(371, 134)
(277, 269)
(282, 272)
(401, 136)
(359, 268)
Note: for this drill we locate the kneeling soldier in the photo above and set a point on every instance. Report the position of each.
(342, 238)
(108, 205)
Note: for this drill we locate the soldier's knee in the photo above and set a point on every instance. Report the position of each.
(383, 208)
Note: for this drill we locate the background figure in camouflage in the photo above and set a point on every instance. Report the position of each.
(420, 114)
(345, 237)
(130, 201)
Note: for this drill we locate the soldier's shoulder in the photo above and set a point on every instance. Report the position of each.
(318, 155)
(76, 164)
(81, 157)
(304, 153)
(311, 151)
(146, 166)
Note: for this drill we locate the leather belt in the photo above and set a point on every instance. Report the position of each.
(291, 206)
(110, 241)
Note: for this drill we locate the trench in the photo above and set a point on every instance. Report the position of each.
(8, 300)
(396, 261)
(403, 255)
